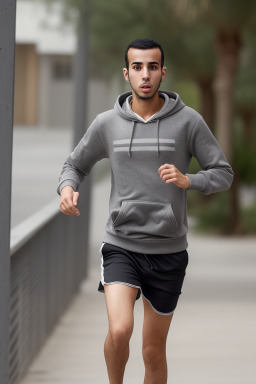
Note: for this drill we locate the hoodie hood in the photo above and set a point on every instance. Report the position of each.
(172, 104)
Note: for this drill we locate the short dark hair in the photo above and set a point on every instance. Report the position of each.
(144, 44)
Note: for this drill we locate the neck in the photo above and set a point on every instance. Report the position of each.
(146, 108)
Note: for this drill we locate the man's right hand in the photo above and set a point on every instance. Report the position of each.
(69, 201)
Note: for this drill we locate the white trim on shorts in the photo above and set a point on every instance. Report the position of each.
(124, 283)
(101, 266)
(121, 282)
(160, 313)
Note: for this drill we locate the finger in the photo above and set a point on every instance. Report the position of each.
(70, 203)
(166, 171)
(170, 174)
(75, 197)
(64, 210)
(171, 180)
(69, 207)
(167, 177)
(164, 166)
(73, 210)
(168, 168)
(70, 212)
(65, 205)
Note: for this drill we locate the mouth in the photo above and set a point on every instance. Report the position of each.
(145, 87)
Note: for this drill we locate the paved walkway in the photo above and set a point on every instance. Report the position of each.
(212, 338)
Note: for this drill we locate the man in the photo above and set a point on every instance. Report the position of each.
(149, 138)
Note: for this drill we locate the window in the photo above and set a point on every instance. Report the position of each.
(62, 68)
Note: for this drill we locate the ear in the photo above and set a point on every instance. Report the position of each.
(126, 74)
(164, 69)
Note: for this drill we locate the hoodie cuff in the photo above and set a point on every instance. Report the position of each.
(197, 181)
(67, 183)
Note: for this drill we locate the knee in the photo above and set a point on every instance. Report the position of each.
(153, 354)
(120, 336)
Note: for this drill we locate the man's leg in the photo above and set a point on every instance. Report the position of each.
(120, 301)
(155, 331)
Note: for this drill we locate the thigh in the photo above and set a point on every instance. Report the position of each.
(163, 281)
(155, 326)
(119, 265)
(120, 300)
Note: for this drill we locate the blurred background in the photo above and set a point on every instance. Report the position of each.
(210, 58)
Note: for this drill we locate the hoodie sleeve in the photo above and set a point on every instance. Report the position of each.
(216, 174)
(78, 163)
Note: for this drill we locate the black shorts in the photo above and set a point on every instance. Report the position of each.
(159, 277)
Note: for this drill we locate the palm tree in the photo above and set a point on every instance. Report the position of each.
(245, 93)
(245, 101)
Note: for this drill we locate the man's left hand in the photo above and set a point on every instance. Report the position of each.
(170, 174)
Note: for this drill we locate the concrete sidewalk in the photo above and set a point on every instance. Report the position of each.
(212, 338)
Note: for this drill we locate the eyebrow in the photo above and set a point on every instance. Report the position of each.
(152, 62)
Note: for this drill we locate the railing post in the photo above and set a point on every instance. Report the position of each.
(7, 60)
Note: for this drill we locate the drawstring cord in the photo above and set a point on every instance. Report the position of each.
(157, 131)
(151, 266)
(130, 145)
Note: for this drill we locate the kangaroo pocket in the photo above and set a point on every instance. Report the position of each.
(138, 217)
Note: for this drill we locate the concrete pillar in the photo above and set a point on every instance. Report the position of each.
(81, 122)
(7, 59)
(81, 79)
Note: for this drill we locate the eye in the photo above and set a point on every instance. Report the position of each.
(136, 67)
(153, 67)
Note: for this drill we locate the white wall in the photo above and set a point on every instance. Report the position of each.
(56, 97)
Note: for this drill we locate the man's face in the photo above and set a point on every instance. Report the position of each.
(145, 73)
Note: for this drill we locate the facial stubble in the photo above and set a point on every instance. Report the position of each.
(145, 97)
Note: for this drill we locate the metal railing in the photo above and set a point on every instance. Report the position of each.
(48, 263)
(48, 251)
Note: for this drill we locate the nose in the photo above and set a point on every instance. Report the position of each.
(145, 73)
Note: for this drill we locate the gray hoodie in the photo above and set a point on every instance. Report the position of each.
(146, 214)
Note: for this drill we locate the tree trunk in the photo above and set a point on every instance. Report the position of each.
(228, 45)
(234, 225)
(247, 117)
(207, 101)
